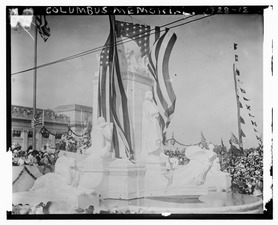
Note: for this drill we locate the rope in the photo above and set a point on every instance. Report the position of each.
(175, 141)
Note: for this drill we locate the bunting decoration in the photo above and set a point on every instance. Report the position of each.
(250, 115)
(236, 58)
(237, 72)
(235, 46)
(248, 107)
(241, 120)
(242, 134)
(246, 99)
(243, 91)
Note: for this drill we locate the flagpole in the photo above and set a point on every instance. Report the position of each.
(35, 86)
(238, 110)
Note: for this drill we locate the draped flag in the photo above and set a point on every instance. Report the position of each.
(163, 92)
(112, 100)
(42, 26)
(155, 44)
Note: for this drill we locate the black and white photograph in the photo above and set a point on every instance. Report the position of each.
(139, 111)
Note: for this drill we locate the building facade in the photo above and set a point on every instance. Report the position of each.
(56, 121)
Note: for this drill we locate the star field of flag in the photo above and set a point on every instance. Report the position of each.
(137, 32)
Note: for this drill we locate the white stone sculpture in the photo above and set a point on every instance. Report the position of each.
(74, 178)
(151, 131)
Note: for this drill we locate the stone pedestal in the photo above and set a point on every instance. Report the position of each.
(122, 180)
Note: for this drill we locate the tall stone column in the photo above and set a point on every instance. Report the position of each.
(136, 86)
(24, 136)
(95, 98)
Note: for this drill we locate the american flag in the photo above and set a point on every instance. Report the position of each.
(234, 139)
(39, 119)
(144, 35)
(163, 92)
(42, 27)
(112, 100)
(156, 43)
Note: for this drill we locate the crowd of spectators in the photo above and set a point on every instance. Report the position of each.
(176, 158)
(44, 158)
(245, 169)
(64, 208)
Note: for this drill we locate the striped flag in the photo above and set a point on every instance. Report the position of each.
(112, 100)
(38, 120)
(42, 27)
(163, 92)
(156, 44)
(234, 139)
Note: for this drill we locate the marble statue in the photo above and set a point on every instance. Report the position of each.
(101, 137)
(151, 131)
(65, 178)
(197, 169)
(74, 178)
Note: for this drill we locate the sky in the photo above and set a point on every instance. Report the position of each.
(201, 68)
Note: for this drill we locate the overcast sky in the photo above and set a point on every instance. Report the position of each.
(202, 60)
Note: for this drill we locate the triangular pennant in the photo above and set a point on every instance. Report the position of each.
(243, 91)
(237, 72)
(204, 140)
(255, 130)
(255, 123)
(222, 142)
(242, 134)
(250, 115)
(246, 99)
(236, 58)
(257, 137)
(235, 46)
(240, 105)
(241, 120)
(248, 107)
